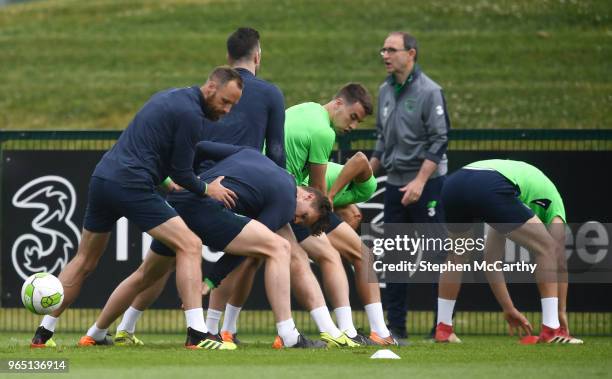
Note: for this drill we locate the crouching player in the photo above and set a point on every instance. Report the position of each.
(347, 185)
(519, 202)
(268, 198)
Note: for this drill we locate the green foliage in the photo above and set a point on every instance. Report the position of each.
(69, 64)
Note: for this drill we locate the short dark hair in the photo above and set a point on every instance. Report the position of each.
(323, 207)
(355, 92)
(409, 42)
(225, 74)
(241, 43)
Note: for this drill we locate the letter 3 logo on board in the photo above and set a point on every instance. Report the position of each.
(53, 235)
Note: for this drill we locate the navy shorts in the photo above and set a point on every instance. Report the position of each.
(301, 232)
(216, 225)
(108, 201)
(470, 196)
(427, 210)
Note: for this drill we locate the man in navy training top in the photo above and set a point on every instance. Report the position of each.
(159, 142)
(268, 200)
(256, 120)
(259, 114)
(259, 117)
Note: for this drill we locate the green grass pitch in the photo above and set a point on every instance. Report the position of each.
(477, 357)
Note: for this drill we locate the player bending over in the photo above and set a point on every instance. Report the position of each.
(518, 201)
(310, 131)
(159, 142)
(347, 185)
(267, 200)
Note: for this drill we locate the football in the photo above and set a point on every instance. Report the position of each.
(42, 293)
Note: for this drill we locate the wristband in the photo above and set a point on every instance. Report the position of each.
(209, 283)
(205, 189)
(167, 182)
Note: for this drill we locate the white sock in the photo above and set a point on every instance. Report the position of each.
(288, 332)
(445, 311)
(230, 318)
(213, 317)
(376, 318)
(129, 320)
(324, 321)
(550, 312)
(195, 319)
(344, 318)
(49, 322)
(96, 333)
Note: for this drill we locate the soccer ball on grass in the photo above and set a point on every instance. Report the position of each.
(42, 293)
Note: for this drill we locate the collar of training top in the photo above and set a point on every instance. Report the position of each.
(416, 71)
(244, 72)
(203, 105)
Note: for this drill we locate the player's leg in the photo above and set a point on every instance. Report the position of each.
(245, 275)
(256, 240)
(221, 282)
(98, 222)
(231, 294)
(154, 268)
(151, 213)
(241, 281)
(427, 218)
(335, 281)
(175, 234)
(557, 231)
(396, 294)
(534, 236)
(449, 286)
(148, 296)
(224, 230)
(219, 298)
(456, 197)
(348, 243)
(307, 291)
(127, 326)
(90, 250)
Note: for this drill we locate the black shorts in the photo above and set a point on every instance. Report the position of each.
(108, 201)
(473, 195)
(301, 232)
(216, 225)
